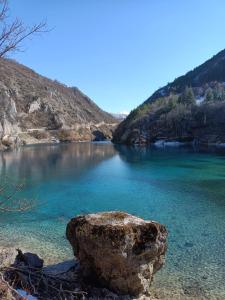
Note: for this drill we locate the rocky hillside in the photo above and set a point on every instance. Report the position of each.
(191, 108)
(36, 109)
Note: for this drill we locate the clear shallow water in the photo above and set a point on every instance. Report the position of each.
(181, 188)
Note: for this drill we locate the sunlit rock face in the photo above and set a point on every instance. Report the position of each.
(122, 252)
(35, 109)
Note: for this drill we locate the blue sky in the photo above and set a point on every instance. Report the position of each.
(119, 52)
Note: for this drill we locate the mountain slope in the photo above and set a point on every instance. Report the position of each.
(191, 108)
(35, 108)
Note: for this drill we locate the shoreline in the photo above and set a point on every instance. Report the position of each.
(165, 286)
(52, 143)
(159, 144)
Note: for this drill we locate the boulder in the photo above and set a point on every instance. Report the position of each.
(31, 260)
(120, 251)
(10, 141)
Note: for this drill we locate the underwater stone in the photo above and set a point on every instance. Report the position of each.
(120, 251)
(188, 244)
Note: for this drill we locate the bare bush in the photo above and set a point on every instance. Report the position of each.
(36, 282)
(10, 196)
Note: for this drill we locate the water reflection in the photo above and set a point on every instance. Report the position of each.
(42, 162)
(182, 188)
(151, 152)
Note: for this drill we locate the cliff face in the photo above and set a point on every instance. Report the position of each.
(34, 108)
(191, 108)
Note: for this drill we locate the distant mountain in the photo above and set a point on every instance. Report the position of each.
(119, 116)
(191, 108)
(36, 109)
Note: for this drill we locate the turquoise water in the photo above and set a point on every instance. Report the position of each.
(182, 188)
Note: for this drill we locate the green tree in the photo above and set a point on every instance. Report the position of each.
(172, 102)
(222, 96)
(209, 96)
(187, 97)
(218, 93)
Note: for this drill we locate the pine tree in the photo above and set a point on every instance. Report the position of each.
(209, 96)
(187, 97)
(222, 95)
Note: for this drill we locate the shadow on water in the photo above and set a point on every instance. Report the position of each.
(133, 153)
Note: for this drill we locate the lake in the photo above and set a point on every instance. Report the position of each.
(183, 188)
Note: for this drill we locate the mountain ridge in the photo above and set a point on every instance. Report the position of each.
(164, 111)
(191, 75)
(30, 101)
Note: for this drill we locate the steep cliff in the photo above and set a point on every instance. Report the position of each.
(34, 108)
(191, 108)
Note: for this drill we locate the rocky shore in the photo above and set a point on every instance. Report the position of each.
(84, 133)
(116, 257)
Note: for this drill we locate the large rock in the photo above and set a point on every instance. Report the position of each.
(10, 141)
(121, 251)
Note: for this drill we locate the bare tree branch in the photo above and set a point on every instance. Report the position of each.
(4, 9)
(13, 34)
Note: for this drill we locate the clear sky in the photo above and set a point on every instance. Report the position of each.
(119, 52)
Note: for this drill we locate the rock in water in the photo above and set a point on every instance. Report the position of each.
(120, 250)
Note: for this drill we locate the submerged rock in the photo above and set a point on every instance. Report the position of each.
(120, 251)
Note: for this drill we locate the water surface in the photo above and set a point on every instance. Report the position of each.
(182, 188)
